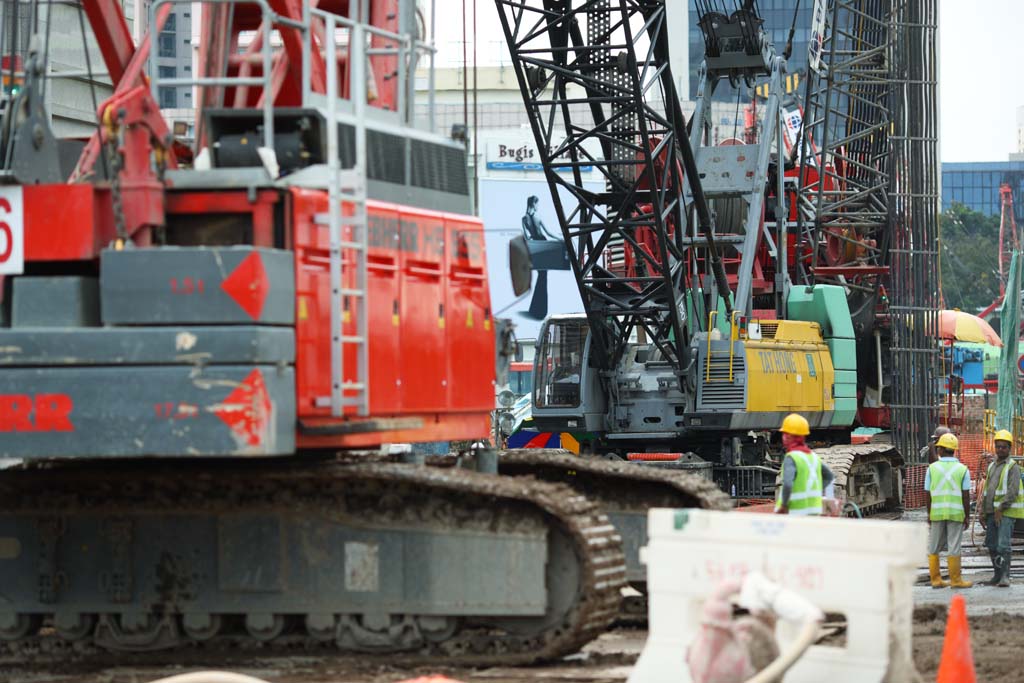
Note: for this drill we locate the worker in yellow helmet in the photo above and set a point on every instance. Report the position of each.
(947, 485)
(1002, 505)
(804, 476)
(927, 452)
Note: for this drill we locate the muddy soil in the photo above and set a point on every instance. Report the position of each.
(997, 641)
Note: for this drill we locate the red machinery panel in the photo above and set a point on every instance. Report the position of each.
(312, 359)
(423, 315)
(384, 296)
(470, 328)
(75, 226)
(430, 329)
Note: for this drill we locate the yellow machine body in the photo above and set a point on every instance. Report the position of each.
(789, 369)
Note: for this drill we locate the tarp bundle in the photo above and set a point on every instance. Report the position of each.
(1008, 399)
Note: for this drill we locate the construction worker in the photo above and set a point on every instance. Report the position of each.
(1002, 504)
(804, 476)
(947, 485)
(927, 453)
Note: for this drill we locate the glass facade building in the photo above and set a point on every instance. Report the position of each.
(976, 185)
(778, 17)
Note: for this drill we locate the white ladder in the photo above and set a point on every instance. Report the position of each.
(347, 185)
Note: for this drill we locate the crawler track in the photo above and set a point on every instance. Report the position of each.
(128, 610)
(624, 491)
(867, 474)
(624, 485)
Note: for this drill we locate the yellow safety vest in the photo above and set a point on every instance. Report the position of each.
(1017, 506)
(946, 478)
(805, 499)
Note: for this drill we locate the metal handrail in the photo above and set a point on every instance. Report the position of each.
(733, 336)
(732, 346)
(407, 50)
(269, 19)
(707, 359)
(334, 198)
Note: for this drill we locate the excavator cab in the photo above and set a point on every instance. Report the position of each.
(566, 390)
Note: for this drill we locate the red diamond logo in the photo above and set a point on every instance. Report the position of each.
(248, 285)
(246, 410)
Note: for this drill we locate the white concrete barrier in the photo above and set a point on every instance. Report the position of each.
(861, 568)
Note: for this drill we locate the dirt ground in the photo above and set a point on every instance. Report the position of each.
(997, 642)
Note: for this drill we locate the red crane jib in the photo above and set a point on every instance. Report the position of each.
(127, 67)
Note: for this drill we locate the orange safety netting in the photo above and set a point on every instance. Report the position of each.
(972, 453)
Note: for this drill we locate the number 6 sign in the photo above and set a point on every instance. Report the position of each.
(12, 231)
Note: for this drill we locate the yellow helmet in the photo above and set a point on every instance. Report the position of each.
(1004, 435)
(948, 441)
(796, 425)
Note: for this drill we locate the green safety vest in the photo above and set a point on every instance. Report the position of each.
(1017, 506)
(805, 498)
(947, 482)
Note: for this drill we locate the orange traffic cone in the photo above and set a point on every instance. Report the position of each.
(957, 664)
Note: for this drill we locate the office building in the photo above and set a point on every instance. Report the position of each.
(174, 57)
(1020, 135)
(976, 184)
(174, 47)
(71, 97)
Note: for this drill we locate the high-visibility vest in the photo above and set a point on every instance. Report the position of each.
(946, 478)
(1017, 506)
(805, 498)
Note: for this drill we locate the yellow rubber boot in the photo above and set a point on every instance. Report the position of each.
(955, 579)
(933, 569)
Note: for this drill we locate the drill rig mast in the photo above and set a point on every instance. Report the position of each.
(752, 347)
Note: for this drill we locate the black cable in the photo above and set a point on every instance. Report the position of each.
(736, 118)
(3, 27)
(14, 39)
(92, 92)
(46, 51)
(12, 115)
(792, 30)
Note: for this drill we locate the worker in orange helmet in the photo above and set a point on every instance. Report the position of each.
(804, 476)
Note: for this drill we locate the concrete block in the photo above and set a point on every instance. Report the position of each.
(197, 285)
(194, 345)
(862, 569)
(147, 411)
(57, 301)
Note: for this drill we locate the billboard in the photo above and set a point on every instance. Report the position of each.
(515, 207)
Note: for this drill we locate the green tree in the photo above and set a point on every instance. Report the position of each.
(970, 258)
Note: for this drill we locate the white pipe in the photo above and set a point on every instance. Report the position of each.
(762, 595)
(210, 677)
(773, 672)
(878, 364)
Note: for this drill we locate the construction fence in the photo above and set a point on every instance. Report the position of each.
(972, 453)
(974, 432)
